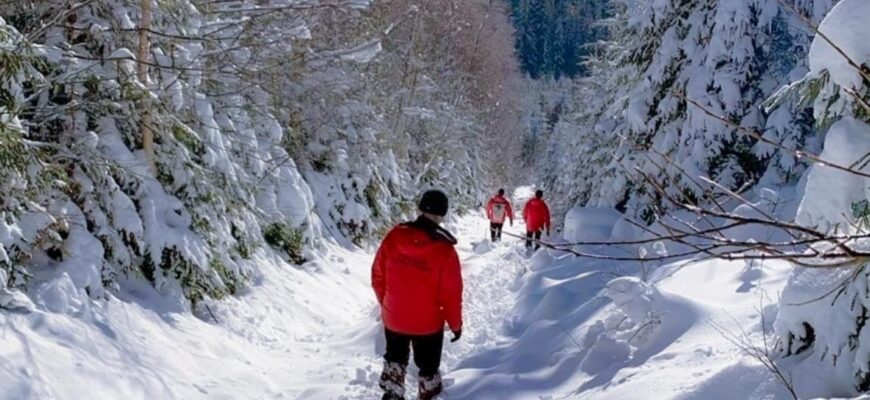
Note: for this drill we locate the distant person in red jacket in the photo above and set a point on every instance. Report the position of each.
(498, 209)
(536, 213)
(418, 283)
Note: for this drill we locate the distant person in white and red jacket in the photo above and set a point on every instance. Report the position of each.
(498, 209)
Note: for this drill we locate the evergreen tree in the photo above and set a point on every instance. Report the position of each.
(553, 36)
(728, 57)
(271, 126)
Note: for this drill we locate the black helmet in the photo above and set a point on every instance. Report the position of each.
(434, 202)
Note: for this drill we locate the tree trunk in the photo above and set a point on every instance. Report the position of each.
(143, 56)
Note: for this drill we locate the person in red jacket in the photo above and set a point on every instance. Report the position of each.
(418, 283)
(498, 209)
(536, 213)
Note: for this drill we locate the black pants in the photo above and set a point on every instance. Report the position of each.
(427, 350)
(495, 230)
(537, 235)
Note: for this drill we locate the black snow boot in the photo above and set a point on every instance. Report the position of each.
(393, 381)
(430, 387)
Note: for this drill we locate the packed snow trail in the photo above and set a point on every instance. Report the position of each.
(491, 275)
(297, 332)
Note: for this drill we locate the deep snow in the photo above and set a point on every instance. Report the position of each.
(550, 327)
(582, 330)
(308, 332)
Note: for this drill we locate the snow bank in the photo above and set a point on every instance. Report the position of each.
(624, 337)
(13, 300)
(268, 344)
(821, 322)
(638, 300)
(590, 224)
(820, 325)
(822, 311)
(830, 193)
(483, 247)
(624, 230)
(846, 26)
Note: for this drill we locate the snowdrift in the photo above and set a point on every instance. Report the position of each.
(598, 329)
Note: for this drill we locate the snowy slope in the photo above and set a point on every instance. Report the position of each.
(550, 327)
(353, 355)
(310, 332)
(568, 338)
(143, 346)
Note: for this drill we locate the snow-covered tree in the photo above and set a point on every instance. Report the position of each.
(825, 311)
(665, 67)
(178, 148)
(553, 36)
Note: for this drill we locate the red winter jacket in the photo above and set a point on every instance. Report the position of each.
(506, 205)
(417, 279)
(536, 214)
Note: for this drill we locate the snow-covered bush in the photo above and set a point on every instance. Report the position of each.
(825, 311)
(640, 317)
(638, 301)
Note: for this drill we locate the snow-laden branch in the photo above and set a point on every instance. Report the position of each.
(800, 154)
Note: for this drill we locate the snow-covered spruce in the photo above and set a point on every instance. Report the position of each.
(825, 312)
(271, 131)
(631, 112)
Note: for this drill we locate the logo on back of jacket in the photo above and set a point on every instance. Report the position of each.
(411, 261)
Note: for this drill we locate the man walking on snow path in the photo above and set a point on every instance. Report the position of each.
(417, 280)
(536, 213)
(497, 210)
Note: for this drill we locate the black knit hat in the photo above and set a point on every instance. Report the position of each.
(434, 202)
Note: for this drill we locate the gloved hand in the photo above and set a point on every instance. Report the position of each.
(456, 335)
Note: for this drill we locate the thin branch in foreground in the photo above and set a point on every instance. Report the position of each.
(761, 353)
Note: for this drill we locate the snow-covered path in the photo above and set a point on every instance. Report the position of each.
(491, 275)
(306, 332)
(536, 328)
